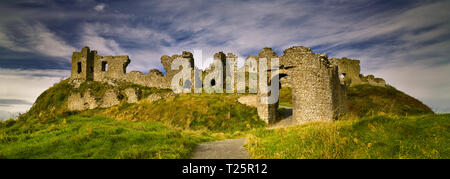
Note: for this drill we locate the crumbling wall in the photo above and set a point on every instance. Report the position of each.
(110, 67)
(153, 79)
(349, 72)
(87, 65)
(316, 90)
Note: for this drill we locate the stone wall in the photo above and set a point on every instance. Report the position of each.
(110, 67)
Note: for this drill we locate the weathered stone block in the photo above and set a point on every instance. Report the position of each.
(133, 95)
(78, 102)
(111, 98)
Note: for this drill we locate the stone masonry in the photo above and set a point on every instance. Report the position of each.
(316, 89)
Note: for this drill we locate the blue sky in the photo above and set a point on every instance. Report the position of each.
(406, 42)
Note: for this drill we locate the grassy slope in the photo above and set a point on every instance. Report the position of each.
(171, 127)
(424, 136)
(366, 100)
(95, 137)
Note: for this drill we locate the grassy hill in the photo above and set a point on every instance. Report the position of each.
(425, 136)
(367, 100)
(167, 128)
(78, 136)
(173, 126)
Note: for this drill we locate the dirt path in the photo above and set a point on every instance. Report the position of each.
(225, 149)
(234, 148)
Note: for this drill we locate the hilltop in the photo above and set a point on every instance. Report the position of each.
(102, 111)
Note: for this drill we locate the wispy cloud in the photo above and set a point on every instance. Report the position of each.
(100, 7)
(37, 38)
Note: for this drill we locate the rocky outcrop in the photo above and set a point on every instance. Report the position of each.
(80, 102)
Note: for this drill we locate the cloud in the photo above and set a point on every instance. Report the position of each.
(36, 38)
(20, 88)
(8, 102)
(91, 37)
(100, 7)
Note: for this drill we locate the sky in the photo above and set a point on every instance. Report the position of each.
(406, 42)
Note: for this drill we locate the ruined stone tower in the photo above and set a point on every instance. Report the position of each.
(83, 64)
(316, 89)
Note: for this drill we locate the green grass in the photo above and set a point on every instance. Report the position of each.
(285, 97)
(173, 126)
(425, 136)
(95, 137)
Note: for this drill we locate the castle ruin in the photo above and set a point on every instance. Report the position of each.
(349, 72)
(319, 94)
